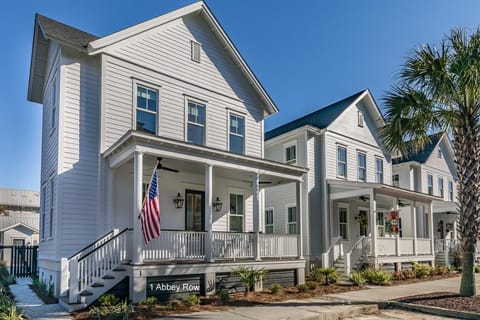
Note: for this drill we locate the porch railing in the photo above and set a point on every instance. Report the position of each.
(278, 245)
(230, 245)
(333, 252)
(424, 246)
(387, 246)
(405, 246)
(446, 245)
(354, 254)
(176, 245)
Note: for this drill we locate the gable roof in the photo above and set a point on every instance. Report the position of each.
(423, 154)
(19, 225)
(320, 118)
(29, 220)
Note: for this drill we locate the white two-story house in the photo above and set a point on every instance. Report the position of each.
(353, 213)
(173, 89)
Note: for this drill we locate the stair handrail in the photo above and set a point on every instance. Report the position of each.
(330, 252)
(105, 236)
(104, 244)
(348, 255)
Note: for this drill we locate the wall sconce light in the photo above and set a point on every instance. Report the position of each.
(178, 201)
(217, 205)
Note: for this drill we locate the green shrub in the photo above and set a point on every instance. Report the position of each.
(477, 269)
(150, 301)
(422, 270)
(174, 305)
(312, 285)
(377, 277)
(398, 276)
(328, 275)
(191, 300)
(250, 277)
(275, 288)
(302, 288)
(408, 274)
(224, 295)
(357, 278)
(12, 314)
(108, 300)
(442, 270)
(120, 311)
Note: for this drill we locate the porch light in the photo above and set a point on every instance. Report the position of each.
(178, 201)
(217, 205)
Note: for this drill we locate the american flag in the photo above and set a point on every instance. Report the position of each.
(150, 216)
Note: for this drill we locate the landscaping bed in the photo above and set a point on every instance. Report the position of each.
(446, 300)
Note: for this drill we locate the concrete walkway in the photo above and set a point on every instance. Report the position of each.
(32, 306)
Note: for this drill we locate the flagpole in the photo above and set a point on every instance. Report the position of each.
(146, 194)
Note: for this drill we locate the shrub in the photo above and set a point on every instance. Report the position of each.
(108, 300)
(224, 295)
(302, 288)
(312, 285)
(328, 275)
(174, 305)
(398, 276)
(357, 278)
(408, 274)
(442, 270)
(477, 269)
(191, 300)
(120, 311)
(250, 277)
(422, 270)
(13, 314)
(377, 277)
(275, 288)
(150, 301)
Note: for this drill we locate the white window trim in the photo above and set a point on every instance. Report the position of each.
(288, 145)
(441, 185)
(360, 119)
(242, 193)
(453, 190)
(51, 211)
(148, 85)
(240, 115)
(346, 161)
(265, 220)
(53, 105)
(433, 184)
(192, 57)
(287, 206)
(205, 127)
(344, 206)
(43, 212)
(393, 180)
(383, 169)
(358, 165)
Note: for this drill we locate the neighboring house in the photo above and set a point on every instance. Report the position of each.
(173, 87)
(431, 170)
(352, 214)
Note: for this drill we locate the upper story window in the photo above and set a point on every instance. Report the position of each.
(396, 180)
(291, 153)
(450, 190)
(430, 184)
(292, 219)
(237, 134)
(53, 114)
(362, 166)
(196, 122)
(341, 162)
(440, 187)
(147, 106)
(439, 153)
(195, 51)
(269, 220)
(378, 170)
(360, 119)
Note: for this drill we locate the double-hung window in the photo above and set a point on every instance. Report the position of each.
(430, 184)
(52, 199)
(396, 180)
(237, 134)
(44, 212)
(236, 212)
(292, 220)
(362, 166)
(196, 123)
(291, 153)
(341, 162)
(53, 115)
(269, 220)
(440, 188)
(343, 222)
(450, 190)
(378, 170)
(146, 113)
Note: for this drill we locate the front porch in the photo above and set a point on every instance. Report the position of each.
(378, 225)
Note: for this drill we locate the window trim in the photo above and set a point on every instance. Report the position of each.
(360, 152)
(342, 205)
(393, 180)
(43, 214)
(288, 206)
(451, 193)
(360, 119)
(346, 161)
(52, 208)
(378, 158)
(205, 126)
(147, 85)
(439, 153)
(285, 147)
(230, 113)
(265, 225)
(428, 185)
(53, 105)
(441, 191)
(194, 44)
(237, 193)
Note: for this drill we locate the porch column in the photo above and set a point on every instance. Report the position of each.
(413, 208)
(373, 224)
(430, 234)
(109, 205)
(256, 215)
(397, 238)
(299, 186)
(208, 212)
(138, 242)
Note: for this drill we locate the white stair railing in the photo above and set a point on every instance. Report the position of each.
(334, 252)
(87, 267)
(353, 254)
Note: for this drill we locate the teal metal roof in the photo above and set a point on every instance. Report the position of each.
(422, 155)
(321, 118)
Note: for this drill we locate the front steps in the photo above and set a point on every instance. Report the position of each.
(340, 266)
(92, 293)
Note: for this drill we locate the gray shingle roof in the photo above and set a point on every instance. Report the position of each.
(30, 219)
(321, 118)
(422, 155)
(64, 33)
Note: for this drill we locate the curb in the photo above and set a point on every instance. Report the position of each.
(435, 310)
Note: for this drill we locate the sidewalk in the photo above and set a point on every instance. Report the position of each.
(32, 306)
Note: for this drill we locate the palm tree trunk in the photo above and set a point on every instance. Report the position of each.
(467, 160)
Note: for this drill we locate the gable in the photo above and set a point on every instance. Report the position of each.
(445, 163)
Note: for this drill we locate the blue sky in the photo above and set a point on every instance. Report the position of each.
(306, 53)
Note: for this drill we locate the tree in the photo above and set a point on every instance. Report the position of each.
(439, 90)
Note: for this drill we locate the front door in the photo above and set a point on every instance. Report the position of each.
(363, 221)
(194, 210)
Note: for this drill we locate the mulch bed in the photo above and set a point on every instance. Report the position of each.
(431, 278)
(44, 297)
(447, 300)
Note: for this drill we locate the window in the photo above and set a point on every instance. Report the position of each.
(362, 167)
(53, 114)
(291, 153)
(195, 47)
(396, 180)
(196, 123)
(292, 220)
(360, 119)
(343, 222)
(52, 198)
(341, 162)
(236, 212)
(18, 242)
(379, 170)
(430, 184)
(380, 224)
(450, 190)
(439, 154)
(237, 134)
(147, 105)
(269, 220)
(440, 187)
(43, 210)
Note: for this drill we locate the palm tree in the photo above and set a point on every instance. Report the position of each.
(439, 90)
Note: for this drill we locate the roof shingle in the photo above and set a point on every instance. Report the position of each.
(421, 155)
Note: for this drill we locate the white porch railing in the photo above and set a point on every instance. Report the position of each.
(278, 245)
(230, 245)
(354, 253)
(424, 246)
(386, 246)
(405, 246)
(446, 245)
(334, 252)
(176, 245)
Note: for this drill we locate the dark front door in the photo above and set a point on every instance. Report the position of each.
(363, 222)
(194, 210)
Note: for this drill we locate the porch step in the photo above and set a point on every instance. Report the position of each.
(97, 285)
(119, 269)
(86, 293)
(108, 277)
